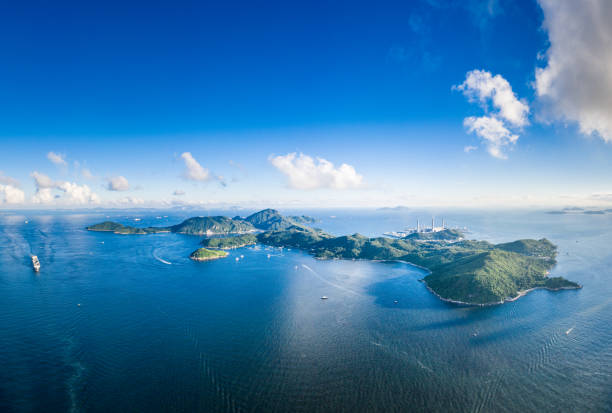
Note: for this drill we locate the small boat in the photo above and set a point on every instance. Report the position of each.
(25, 222)
(395, 301)
(324, 297)
(237, 258)
(35, 263)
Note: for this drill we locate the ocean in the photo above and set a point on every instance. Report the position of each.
(129, 323)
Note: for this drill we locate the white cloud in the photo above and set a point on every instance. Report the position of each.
(480, 85)
(7, 180)
(493, 131)
(178, 192)
(504, 111)
(72, 192)
(194, 171)
(87, 173)
(305, 172)
(77, 194)
(118, 183)
(42, 180)
(469, 148)
(57, 158)
(576, 83)
(11, 195)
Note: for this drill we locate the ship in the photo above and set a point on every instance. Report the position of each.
(35, 263)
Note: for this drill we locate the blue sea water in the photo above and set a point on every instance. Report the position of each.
(129, 323)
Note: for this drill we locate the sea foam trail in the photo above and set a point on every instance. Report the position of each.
(160, 259)
(341, 287)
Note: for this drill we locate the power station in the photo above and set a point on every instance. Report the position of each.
(419, 229)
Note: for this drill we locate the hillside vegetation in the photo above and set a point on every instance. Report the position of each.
(230, 242)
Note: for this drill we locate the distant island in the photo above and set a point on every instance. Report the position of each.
(578, 210)
(460, 271)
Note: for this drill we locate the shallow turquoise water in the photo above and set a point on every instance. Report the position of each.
(155, 331)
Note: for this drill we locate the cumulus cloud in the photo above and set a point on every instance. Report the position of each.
(7, 180)
(178, 192)
(469, 148)
(304, 172)
(493, 131)
(193, 170)
(77, 194)
(11, 195)
(504, 111)
(576, 83)
(482, 86)
(72, 192)
(57, 158)
(118, 183)
(42, 181)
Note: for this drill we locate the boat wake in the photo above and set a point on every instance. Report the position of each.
(341, 287)
(160, 259)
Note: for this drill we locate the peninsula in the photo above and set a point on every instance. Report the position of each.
(460, 271)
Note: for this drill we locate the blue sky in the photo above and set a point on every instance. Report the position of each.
(174, 103)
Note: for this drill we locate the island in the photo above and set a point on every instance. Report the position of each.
(265, 220)
(459, 271)
(205, 254)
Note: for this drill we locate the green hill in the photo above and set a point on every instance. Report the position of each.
(212, 225)
(110, 226)
(491, 276)
(542, 248)
(230, 242)
(272, 220)
(294, 237)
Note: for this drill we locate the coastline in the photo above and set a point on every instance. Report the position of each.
(458, 302)
(505, 300)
